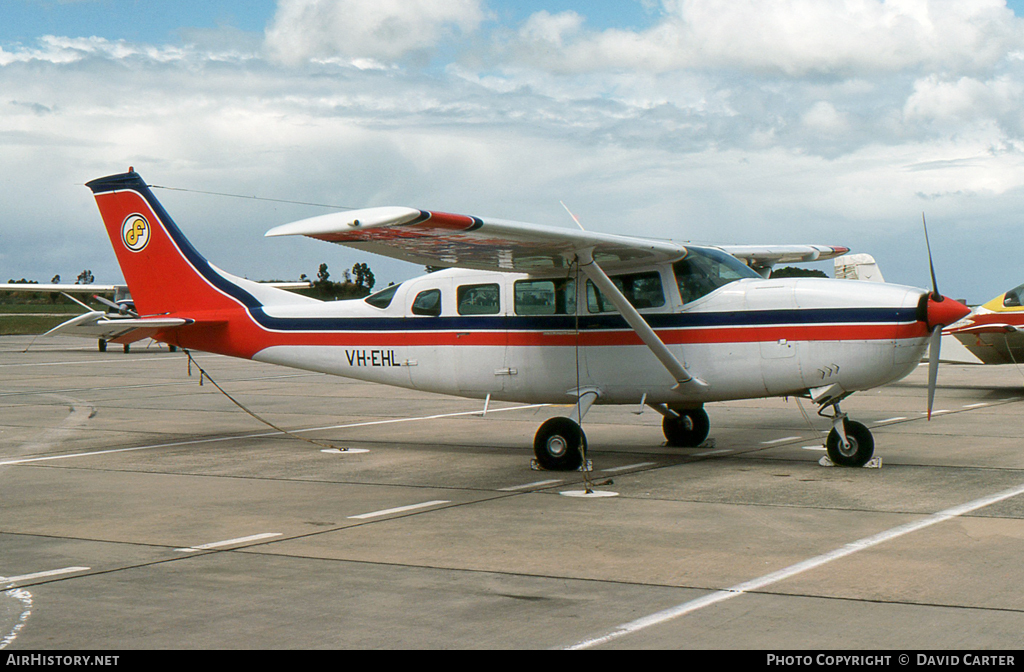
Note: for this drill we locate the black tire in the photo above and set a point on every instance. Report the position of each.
(172, 348)
(862, 445)
(557, 445)
(127, 347)
(688, 430)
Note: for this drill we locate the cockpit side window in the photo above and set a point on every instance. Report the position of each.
(1014, 298)
(427, 302)
(642, 290)
(703, 271)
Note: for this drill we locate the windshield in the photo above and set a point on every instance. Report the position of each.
(1014, 298)
(382, 299)
(704, 270)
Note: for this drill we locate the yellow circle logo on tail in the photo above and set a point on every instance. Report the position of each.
(135, 232)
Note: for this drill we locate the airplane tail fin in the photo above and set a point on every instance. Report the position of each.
(164, 272)
(858, 267)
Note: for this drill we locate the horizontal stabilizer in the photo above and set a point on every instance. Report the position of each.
(77, 320)
(146, 322)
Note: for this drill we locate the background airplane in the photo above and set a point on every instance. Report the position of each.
(537, 314)
(105, 326)
(994, 331)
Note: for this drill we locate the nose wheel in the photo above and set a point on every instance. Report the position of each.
(851, 448)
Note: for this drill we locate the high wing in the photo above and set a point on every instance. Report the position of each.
(442, 239)
(437, 238)
(70, 289)
(762, 258)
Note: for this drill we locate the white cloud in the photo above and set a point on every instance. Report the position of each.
(965, 99)
(793, 37)
(638, 131)
(383, 30)
(824, 118)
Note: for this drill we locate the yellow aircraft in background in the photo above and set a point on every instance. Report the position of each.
(994, 331)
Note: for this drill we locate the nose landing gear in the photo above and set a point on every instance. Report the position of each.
(850, 443)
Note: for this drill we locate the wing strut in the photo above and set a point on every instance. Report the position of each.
(635, 320)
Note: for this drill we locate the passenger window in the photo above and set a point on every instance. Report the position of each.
(427, 303)
(642, 290)
(479, 299)
(545, 297)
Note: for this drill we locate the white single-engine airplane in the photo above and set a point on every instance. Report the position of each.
(536, 314)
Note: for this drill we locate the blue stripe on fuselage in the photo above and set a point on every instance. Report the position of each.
(757, 318)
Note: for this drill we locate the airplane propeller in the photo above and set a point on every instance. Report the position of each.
(116, 306)
(940, 313)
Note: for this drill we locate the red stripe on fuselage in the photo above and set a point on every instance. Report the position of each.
(240, 335)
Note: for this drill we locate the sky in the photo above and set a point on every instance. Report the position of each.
(836, 122)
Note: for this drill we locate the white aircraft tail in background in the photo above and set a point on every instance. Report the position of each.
(857, 267)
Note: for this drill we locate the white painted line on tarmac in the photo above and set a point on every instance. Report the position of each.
(984, 403)
(629, 466)
(230, 542)
(400, 509)
(105, 361)
(812, 447)
(42, 575)
(887, 421)
(114, 388)
(261, 435)
(720, 451)
(782, 440)
(793, 570)
(527, 486)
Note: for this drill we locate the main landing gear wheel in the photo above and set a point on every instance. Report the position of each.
(860, 449)
(557, 445)
(688, 430)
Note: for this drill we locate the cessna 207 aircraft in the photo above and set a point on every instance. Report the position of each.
(538, 314)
